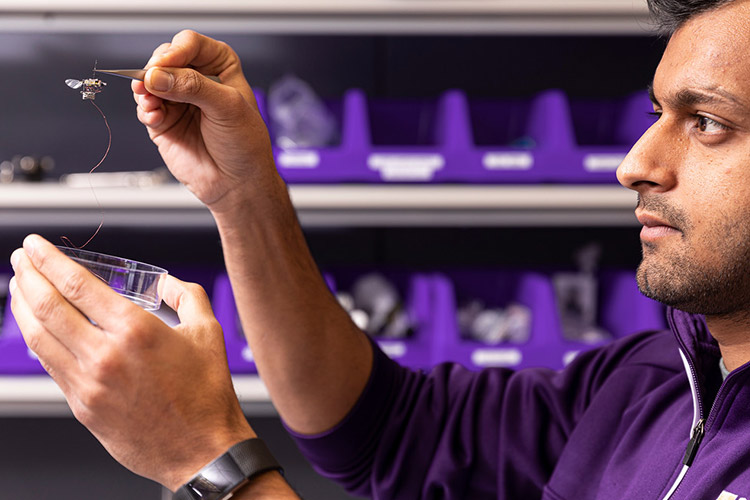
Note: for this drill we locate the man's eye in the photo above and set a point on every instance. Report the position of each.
(708, 125)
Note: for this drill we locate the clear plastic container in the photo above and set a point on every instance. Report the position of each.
(135, 280)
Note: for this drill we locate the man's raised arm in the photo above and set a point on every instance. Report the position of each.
(312, 358)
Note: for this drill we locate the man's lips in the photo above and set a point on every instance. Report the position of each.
(654, 227)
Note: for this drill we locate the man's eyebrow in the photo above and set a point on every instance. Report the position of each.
(686, 97)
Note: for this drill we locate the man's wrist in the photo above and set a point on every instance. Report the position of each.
(229, 472)
(261, 193)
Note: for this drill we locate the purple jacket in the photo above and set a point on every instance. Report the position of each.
(615, 424)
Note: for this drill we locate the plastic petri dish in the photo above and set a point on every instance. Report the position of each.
(135, 280)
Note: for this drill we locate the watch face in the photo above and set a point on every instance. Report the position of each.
(216, 480)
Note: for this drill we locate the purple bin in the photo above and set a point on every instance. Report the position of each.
(623, 310)
(605, 130)
(337, 163)
(516, 141)
(385, 141)
(239, 355)
(15, 357)
(418, 140)
(416, 290)
(497, 288)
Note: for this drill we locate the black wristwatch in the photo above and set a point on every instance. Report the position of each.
(225, 475)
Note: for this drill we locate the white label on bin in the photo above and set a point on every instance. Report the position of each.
(406, 167)
(603, 162)
(496, 357)
(508, 161)
(393, 350)
(247, 354)
(298, 159)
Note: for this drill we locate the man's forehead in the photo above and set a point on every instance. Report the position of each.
(711, 54)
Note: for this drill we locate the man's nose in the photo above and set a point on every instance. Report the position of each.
(649, 166)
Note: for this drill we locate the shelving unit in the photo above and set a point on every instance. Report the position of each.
(364, 44)
(333, 7)
(27, 206)
(354, 17)
(39, 396)
(30, 207)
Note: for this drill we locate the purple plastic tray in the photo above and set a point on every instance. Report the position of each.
(604, 133)
(416, 289)
(623, 310)
(497, 289)
(454, 139)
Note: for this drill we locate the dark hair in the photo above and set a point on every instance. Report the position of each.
(669, 15)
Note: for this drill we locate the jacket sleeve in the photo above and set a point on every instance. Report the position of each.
(452, 433)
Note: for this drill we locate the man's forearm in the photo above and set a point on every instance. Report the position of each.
(312, 358)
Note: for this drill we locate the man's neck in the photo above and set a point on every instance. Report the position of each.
(733, 335)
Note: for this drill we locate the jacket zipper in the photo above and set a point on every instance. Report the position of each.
(695, 441)
(699, 431)
(696, 436)
(699, 420)
(687, 461)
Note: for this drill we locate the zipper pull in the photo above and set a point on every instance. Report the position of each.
(695, 440)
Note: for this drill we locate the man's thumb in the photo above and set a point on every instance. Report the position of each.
(159, 80)
(184, 85)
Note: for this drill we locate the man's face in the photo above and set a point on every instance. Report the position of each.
(691, 169)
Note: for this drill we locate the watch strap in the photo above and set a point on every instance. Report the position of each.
(241, 462)
(253, 457)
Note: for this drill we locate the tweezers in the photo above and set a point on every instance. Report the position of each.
(138, 74)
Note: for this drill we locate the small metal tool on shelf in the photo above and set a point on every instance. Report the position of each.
(25, 168)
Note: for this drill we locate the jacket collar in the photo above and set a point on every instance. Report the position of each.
(693, 335)
(701, 355)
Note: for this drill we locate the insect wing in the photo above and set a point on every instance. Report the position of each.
(73, 84)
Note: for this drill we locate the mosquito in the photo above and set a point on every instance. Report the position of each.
(91, 86)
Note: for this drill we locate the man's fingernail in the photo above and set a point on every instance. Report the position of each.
(30, 244)
(12, 284)
(14, 257)
(161, 80)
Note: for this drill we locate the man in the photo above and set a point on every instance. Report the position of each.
(623, 421)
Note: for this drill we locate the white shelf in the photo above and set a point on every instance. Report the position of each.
(54, 196)
(26, 206)
(337, 7)
(39, 396)
(605, 17)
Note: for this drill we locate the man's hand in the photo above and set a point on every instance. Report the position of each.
(159, 399)
(210, 134)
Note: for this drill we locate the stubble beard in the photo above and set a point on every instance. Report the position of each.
(716, 285)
